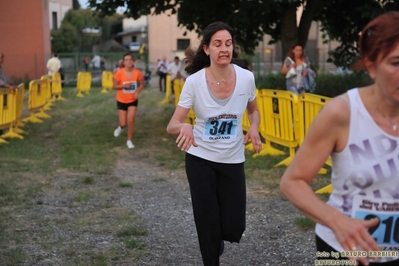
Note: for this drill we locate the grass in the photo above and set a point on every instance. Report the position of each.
(88, 180)
(72, 155)
(304, 223)
(132, 231)
(125, 184)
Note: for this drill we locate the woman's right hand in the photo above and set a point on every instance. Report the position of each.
(186, 137)
(353, 235)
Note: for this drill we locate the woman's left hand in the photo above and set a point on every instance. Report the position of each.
(136, 95)
(186, 138)
(253, 134)
(305, 73)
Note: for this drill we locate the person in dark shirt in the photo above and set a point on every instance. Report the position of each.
(240, 61)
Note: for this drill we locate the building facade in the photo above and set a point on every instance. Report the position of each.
(25, 35)
(165, 39)
(57, 11)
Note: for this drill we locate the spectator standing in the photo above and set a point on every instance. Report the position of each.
(174, 70)
(86, 63)
(128, 83)
(359, 130)
(219, 93)
(296, 68)
(96, 64)
(53, 65)
(162, 71)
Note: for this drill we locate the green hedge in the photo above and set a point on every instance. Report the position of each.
(328, 84)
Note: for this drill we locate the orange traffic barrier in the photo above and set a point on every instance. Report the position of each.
(83, 84)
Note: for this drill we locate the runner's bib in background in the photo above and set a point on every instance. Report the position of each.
(132, 88)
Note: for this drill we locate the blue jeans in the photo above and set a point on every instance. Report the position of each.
(295, 90)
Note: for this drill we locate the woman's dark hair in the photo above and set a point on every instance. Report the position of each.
(291, 53)
(378, 38)
(197, 60)
(128, 54)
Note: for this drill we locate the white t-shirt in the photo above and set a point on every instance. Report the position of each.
(53, 65)
(173, 69)
(162, 66)
(218, 129)
(96, 61)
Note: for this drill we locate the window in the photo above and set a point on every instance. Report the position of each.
(183, 44)
(55, 20)
(134, 38)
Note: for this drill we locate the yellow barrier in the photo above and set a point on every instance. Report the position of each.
(7, 110)
(20, 106)
(279, 122)
(10, 112)
(107, 81)
(37, 101)
(49, 100)
(246, 123)
(168, 91)
(177, 89)
(309, 107)
(325, 190)
(84, 83)
(56, 87)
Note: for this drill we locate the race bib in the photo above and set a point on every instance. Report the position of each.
(221, 128)
(132, 86)
(386, 232)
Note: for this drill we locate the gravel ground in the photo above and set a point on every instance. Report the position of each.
(59, 227)
(271, 237)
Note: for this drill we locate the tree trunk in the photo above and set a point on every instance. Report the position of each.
(289, 30)
(312, 6)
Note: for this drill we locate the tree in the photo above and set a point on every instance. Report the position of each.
(343, 20)
(340, 19)
(69, 37)
(250, 19)
(75, 5)
(65, 39)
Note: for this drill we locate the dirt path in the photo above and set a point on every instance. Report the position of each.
(72, 223)
(162, 199)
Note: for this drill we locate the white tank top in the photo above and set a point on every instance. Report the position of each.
(365, 178)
